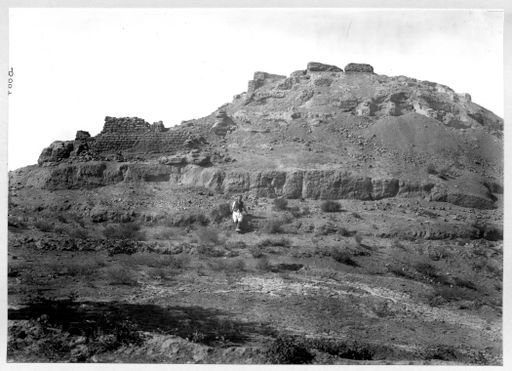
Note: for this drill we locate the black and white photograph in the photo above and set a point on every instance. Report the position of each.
(266, 186)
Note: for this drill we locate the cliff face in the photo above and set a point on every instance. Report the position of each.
(318, 133)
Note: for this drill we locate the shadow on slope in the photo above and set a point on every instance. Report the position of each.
(204, 325)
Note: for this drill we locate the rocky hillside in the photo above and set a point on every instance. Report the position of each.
(321, 133)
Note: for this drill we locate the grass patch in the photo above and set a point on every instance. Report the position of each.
(330, 206)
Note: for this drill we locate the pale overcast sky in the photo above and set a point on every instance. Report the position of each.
(73, 67)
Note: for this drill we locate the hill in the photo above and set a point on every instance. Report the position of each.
(374, 233)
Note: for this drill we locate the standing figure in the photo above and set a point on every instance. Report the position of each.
(237, 208)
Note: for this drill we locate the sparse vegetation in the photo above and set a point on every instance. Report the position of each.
(329, 206)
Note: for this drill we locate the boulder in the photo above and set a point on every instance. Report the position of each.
(320, 67)
(56, 152)
(358, 67)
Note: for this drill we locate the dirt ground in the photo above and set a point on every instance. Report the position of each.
(147, 274)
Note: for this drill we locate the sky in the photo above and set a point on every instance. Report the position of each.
(73, 67)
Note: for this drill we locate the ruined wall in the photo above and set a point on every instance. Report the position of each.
(125, 136)
(136, 135)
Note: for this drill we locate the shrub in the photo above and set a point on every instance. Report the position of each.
(443, 173)
(187, 219)
(235, 245)
(79, 269)
(208, 236)
(441, 352)
(280, 204)
(256, 252)
(273, 225)
(325, 229)
(344, 232)
(450, 294)
(126, 231)
(431, 169)
(461, 282)
(280, 241)
(220, 213)
(400, 272)
(122, 247)
(44, 226)
(158, 261)
(61, 218)
(159, 273)
(295, 211)
(347, 349)
(343, 257)
(211, 252)
(121, 276)
(329, 206)
(426, 269)
(285, 350)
